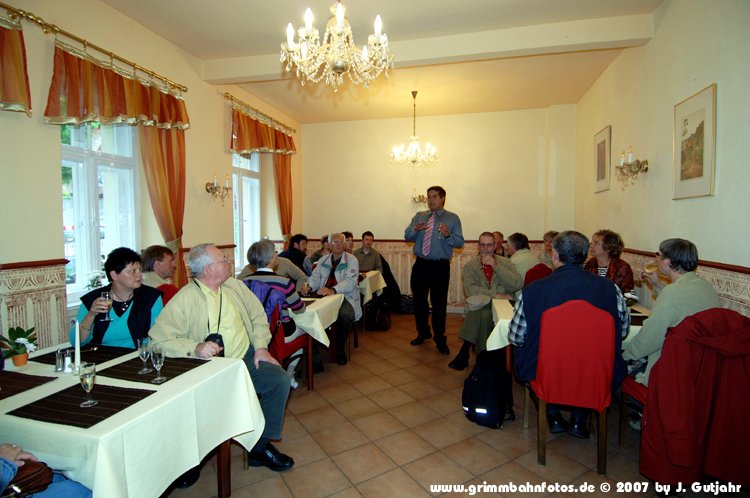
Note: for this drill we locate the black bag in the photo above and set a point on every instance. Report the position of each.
(488, 391)
(383, 317)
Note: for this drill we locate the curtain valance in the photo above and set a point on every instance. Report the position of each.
(85, 89)
(14, 79)
(250, 135)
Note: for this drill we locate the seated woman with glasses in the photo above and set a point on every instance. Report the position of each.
(605, 250)
(122, 312)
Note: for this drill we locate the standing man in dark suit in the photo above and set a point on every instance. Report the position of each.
(435, 233)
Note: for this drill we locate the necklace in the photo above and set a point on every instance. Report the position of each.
(125, 302)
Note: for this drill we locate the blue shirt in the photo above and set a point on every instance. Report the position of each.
(440, 247)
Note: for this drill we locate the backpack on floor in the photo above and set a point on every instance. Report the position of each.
(487, 390)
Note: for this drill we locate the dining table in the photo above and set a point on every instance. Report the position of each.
(320, 313)
(372, 283)
(502, 314)
(141, 436)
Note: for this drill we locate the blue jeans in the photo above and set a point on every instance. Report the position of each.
(272, 385)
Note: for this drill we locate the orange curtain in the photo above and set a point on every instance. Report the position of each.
(250, 135)
(14, 79)
(83, 89)
(163, 158)
(282, 168)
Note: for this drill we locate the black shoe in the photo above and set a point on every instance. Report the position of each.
(188, 478)
(341, 358)
(443, 348)
(578, 429)
(419, 340)
(557, 423)
(270, 457)
(460, 362)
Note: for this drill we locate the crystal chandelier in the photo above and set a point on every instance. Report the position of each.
(337, 54)
(413, 154)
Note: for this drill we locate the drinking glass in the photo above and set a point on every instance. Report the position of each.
(651, 267)
(144, 351)
(107, 296)
(88, 379)
(157, 359)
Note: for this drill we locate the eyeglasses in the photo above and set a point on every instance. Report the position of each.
(224, 260)
(487, 245)
(337, 242)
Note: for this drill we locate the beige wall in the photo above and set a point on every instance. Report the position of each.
(511, 171)
(696, 43)
(31, 221)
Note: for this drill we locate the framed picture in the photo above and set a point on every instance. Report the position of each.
(602, 158)
(694, 144)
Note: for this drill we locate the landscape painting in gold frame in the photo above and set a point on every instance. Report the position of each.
(694, 144)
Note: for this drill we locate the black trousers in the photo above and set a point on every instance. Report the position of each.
(430, 277)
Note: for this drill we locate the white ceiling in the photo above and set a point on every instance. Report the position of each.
(462, 57)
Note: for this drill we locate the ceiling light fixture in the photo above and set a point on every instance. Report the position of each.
(413, 154)
(336, 55)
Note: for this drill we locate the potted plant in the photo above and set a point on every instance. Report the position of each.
(18, 344)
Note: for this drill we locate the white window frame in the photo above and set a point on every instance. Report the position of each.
(245, 170)
(85, 165)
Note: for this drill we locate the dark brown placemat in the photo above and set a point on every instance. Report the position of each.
(637, 319)
(12, 383)
(89, 354)
(63, 406)
(128, 370)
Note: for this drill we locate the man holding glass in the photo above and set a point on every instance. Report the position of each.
(218, 315)
(435, 234)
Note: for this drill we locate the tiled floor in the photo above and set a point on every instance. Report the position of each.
(390, 424)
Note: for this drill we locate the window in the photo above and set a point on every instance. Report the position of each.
(98, 197)
(246, 203)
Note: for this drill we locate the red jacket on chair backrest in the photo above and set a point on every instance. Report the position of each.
(695, 420)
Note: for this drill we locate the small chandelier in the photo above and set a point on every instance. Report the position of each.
(413, 154)
(628, 169)
(337, 54)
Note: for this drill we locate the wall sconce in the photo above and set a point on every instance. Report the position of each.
(217, 190)
(629, 168)
(419, 200)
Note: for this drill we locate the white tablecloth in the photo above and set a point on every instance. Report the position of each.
(319, 315)
(139, 451)
(372, 283)
(502, 314)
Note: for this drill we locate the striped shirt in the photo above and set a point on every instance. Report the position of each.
(293, 302)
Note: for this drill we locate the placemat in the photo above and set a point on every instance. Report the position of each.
(12, 383)
(637, 319)
(63, 406)
(128, 370)
(95, 354)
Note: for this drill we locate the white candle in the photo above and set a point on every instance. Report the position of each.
(77, 361)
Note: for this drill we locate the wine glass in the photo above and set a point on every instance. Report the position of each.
(651, 267)
(144, 351)
(157, 359)
(107, 296)
(88, 379)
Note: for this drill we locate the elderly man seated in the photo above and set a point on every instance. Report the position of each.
(284, 267)
(485, 277)
(336, 273)
(216, 304)
(264, 257)
(520, 254)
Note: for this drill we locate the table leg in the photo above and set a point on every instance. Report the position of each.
(310, 373)
(224, 468)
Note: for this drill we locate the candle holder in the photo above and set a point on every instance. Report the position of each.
(629, 168)
(219, 191)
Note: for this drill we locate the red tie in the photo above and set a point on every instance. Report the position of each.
(427, 239)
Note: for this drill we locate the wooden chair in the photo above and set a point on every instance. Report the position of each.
(575, 368)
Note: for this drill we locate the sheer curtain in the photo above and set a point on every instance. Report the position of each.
(14, 79)
(250, 135)
(84, 89)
